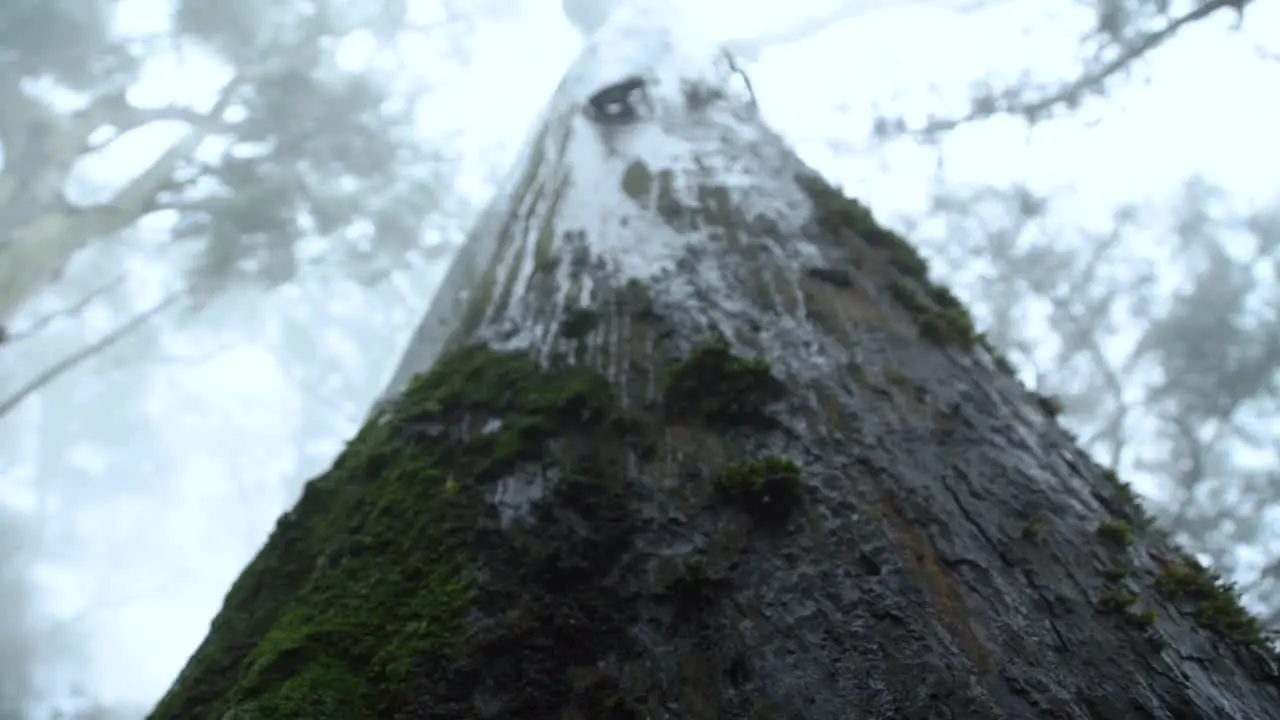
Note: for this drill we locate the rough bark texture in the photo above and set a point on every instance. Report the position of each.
(701, 441)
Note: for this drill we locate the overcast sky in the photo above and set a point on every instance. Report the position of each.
(1202, 111)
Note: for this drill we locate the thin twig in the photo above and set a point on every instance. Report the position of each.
(73, 309)
(1092, 79)
(70, 362)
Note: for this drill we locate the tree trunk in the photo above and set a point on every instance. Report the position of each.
(699, 440)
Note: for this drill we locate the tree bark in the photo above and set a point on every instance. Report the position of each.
(697, 439)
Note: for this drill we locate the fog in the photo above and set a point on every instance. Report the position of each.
(144, 478)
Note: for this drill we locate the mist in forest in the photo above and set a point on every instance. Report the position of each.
(219, 223)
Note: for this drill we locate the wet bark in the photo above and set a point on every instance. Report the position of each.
(686, 435)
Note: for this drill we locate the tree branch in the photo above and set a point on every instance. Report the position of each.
(70, 362)
(48, 230)
(20, 112)
(1071, 93)
(72, 309)
(123, 118)
(32, 165)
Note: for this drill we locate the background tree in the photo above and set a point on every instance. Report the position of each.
(16, 640)
(294, 145)
(212, 149)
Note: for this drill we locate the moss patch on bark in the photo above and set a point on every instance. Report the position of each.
(716, 387)
(939, 315)
(373, 575)
(402, 583)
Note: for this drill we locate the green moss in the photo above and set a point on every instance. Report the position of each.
(578, 322)
(1001, 360)
(1188, 580)
(901, 380)
(944, 298)
(598, 696)
(688, 582)
(948, 326)
(942, 318)
(324, 689)
(1032, 530)
(894, 375)
(768, 488)
(1226, 615)
(508, 384)
(1141, 619)
(1128, 503)
(716, 387)
(1051, 405)
(1115, 532)
(908, 295)
(767, 712)
(1113, 480)
(1216, 605)
(835, 213)
(1115, 573)
(835, 277)
(369, 629)
(371, 576)
(1117, 600)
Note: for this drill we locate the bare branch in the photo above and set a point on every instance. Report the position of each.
(46, 230)
(70, 362)
(123, 118)
(20, 111)
(72, 309)
(134, 197)
(1090, 81)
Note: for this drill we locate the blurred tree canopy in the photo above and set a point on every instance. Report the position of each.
(294, 142)
(255, 140)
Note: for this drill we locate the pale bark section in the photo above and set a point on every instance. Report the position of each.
(625, 194)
